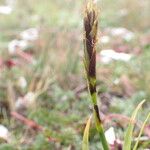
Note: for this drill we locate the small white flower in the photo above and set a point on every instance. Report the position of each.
(30, 34)
(14, 44)
(110, 136)
(108, 55)
(6, 10)
(123, 33)
(22, 82)
(4, 133)
(118, 31)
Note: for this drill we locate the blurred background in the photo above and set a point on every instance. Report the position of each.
(44, 103)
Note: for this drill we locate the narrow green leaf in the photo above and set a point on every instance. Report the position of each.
(129, 131)
(137, 142)
(85, 142)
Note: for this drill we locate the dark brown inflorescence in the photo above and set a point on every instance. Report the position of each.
(90, 39)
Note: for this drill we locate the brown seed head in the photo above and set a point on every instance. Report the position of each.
(90, 39)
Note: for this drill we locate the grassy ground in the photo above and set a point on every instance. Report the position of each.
(59, 101)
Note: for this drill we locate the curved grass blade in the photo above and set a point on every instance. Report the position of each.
(129, 132)
(85, 142)
(137, 142)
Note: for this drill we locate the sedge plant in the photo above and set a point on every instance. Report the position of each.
(90, 40)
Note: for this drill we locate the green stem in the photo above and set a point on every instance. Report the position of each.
(99, 125)
(100, 131)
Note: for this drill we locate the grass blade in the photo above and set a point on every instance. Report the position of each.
(85, 142)
(128, 133)
(137, 142)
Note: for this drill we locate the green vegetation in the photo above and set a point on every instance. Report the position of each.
(47, 85)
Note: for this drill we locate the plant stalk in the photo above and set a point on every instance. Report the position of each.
(90, 40)
(100, 128)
